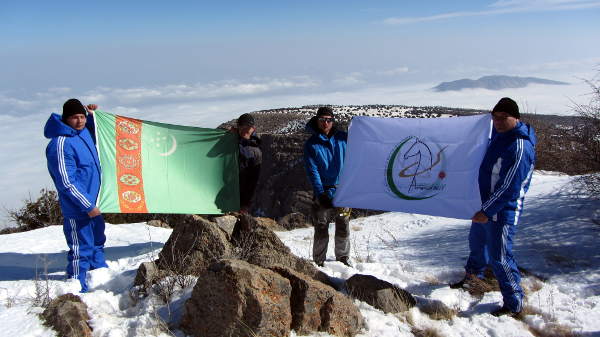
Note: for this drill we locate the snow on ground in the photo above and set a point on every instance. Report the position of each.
(556, 242)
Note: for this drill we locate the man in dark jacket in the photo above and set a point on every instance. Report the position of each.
(324, 155)
(75, 169)
(504, 177)
(250, 160)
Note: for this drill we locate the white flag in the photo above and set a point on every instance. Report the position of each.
(414, 165)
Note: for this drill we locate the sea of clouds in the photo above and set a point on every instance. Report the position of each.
(23, 169)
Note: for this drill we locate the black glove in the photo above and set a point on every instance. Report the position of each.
(325, 201)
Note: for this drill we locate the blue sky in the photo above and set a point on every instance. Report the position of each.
(201, 63)
(135, 43)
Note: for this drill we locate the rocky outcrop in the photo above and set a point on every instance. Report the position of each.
(283, 187)
(380, 294)
(260, 246)
(194, 244)
(68, 316)
(318, 307)
(235, 298)
(249, 283)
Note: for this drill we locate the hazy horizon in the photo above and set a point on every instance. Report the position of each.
(202, 63)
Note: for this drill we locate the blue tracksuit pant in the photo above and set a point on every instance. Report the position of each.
(85, 238)
(491, 243)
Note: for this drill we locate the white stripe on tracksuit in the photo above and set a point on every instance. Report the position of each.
(509, 176)
(507, 269)
(522, 195)
(62, 169)
(75, 248)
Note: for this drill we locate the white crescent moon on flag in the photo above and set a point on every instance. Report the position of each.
(172, 149)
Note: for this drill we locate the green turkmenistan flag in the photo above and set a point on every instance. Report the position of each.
(150, 167)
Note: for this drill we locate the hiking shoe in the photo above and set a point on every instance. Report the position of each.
(505, 311)
(345, 260)
(460, 284)
(465, 283)
(320, 263)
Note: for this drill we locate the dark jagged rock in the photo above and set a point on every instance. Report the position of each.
(380, 294)
(194, 244)
(318, 307)
(260, 246)
(235, 298)
(295, 220)
(147, 274)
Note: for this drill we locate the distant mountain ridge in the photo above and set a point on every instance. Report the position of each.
(496, 82)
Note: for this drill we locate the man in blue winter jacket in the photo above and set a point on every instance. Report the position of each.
(75, 169)
(324, 155)
(504, 177)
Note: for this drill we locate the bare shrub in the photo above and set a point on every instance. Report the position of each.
(588, 135)
(41, 296)
(556, 147)
(244, 246)
(367, 257)
(178, 262)
(45, 211)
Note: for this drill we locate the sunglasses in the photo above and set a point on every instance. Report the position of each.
(325, 120)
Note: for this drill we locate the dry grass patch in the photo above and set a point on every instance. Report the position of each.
(553, 330)
(531, 286)
(427, 332)
(477, 287)
(550, 329)
(432, 280)
(437, 310)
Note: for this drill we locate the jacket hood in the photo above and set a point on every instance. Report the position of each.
(525, 131)
(55, 127)
(312, 127)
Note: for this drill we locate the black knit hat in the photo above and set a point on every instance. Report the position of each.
(245, 119)
(509, 106)
(72, 107)
(324, 111)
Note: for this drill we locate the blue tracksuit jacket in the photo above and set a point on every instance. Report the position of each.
(324, 158)
(505, 173)
(73, 165)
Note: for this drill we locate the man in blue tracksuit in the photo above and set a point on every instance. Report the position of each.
(75, 169)
(324, 155)
(504, 177)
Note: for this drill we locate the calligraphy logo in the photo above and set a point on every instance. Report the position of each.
(416, 169)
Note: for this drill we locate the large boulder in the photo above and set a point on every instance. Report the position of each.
(235, 298)
(68, 316)
(260, 246)
(318, 307)
(379, 293)
(194, 244)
